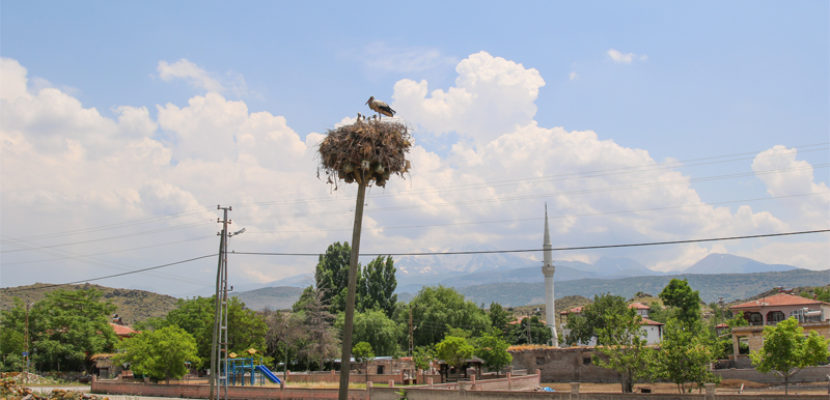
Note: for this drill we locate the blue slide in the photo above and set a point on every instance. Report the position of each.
(267, 372)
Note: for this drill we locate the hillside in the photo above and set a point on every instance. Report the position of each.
(132, 305)
(729, 286)
(274, 298)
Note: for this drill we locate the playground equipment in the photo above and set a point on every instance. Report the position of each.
(238, 368)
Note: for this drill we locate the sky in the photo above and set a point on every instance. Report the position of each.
(124, 124)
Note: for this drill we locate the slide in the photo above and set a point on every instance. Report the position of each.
(267, 372)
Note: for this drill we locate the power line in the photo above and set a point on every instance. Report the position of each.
(111, 276)
(594, 214)
(591, 247)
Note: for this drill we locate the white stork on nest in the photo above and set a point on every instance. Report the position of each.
(380, 107)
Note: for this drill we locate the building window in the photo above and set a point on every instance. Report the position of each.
(755, 318)
(586, 360)
(774, 317)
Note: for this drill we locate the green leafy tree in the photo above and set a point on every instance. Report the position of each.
(332, 276)
(499, 318)
(159, 354)
(539, 332)
(422, 356)
(786, 350)
(493, 350)
(436, 309)
(454, 350)
(377, 285)
(12, 336)
(375, 328)
(587, 324)
(685, 354)
(362, 352)
(246, 329)
(682, 300)
(623, 349)
(822, 293)
(68, 327)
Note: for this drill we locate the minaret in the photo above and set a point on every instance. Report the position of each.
(548, 269)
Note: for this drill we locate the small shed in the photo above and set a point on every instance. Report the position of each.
(471, 366)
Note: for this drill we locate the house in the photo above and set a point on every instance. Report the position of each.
(103, 361)
(651, 331)
(812, 315)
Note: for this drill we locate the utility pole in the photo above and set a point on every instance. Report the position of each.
(26, 342)
(218, 359)
(529, 339)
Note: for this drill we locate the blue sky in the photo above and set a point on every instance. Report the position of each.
(187, 93)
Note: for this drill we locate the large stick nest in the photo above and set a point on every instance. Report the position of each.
(366, 152)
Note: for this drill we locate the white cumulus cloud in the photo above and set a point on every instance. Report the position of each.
(625, 58)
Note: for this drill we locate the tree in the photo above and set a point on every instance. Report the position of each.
(332, 276)
(362, 352)
(539, 332)
(68, 327)
(376, 286)
(436, 309)
(454, 350)
(320, 340)
(786, 350)
(624, 350)
(498, 318)
(12, 336)
(685, 355)
(493, 350)
(284, 334)
(246, 328)
(422, 356)
(587, 324)
(376, 329)
(159, 354)
(683, 301)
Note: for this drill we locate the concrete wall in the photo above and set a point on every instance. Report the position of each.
(570, 364)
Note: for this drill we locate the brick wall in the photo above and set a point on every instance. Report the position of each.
(334, 377)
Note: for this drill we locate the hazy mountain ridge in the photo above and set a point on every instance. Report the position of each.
(712, 286)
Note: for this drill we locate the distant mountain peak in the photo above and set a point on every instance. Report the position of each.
(719, 263)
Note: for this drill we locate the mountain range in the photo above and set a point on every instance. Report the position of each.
(514, 280)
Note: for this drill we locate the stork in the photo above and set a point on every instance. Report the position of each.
(380, 107)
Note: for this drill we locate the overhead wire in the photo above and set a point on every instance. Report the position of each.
(567, 248)
(155, 267)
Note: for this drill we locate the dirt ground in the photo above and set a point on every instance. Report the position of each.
(727, 386)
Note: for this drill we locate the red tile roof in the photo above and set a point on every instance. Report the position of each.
(575, 310)
(777, 300)
(638, 306)
(647, 321)
(123, 330)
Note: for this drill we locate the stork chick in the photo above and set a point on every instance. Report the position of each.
(380, 107)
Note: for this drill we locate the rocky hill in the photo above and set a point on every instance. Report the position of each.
(132, 305)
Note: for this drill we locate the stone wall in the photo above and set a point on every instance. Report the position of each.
(570, 364)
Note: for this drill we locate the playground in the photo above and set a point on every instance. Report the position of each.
(244, 370)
